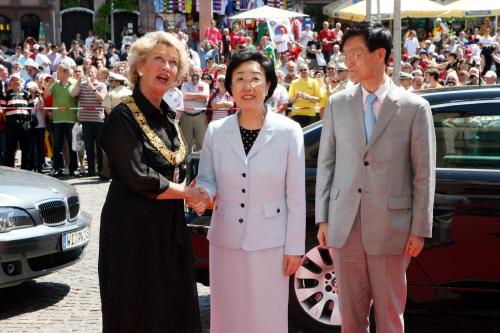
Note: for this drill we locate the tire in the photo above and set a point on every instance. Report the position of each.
(313, 304)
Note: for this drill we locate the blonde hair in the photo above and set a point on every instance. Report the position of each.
(142, 46)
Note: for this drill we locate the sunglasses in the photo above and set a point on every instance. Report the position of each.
(303, 70)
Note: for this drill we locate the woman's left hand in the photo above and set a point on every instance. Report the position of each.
(291, 264)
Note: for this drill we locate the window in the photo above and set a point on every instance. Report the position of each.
(468, 139)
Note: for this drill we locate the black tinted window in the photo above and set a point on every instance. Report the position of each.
(466, 139)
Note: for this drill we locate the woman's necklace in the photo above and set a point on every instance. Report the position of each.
(175, 158)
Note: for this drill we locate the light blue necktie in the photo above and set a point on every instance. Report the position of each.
(370, 116)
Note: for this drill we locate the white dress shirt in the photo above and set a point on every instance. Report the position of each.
(381, 93)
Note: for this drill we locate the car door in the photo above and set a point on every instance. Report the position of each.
(462, 258)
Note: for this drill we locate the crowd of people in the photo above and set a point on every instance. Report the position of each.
(54, 98)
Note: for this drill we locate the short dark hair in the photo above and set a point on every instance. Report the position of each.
(434, 72)
(376, 36)
(250, 55)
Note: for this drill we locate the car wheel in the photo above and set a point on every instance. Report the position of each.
(314, 302)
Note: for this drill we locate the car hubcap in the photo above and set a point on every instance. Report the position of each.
(316, 286)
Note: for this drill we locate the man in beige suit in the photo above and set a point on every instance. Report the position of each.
(375, 183)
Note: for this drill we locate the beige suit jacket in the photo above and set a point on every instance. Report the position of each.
(390, 179)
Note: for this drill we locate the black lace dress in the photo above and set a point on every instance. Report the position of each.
(145, 259)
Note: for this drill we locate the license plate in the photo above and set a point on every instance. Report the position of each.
(74, 239)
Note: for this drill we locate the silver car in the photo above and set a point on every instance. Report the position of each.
(41, 226)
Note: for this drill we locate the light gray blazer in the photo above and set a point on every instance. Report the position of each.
(260, 196)
(391, 179)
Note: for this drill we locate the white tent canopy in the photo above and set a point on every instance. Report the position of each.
(409, 8)
(266, 12)
(468, 8)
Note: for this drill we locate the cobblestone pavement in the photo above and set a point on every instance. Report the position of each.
(68, 300)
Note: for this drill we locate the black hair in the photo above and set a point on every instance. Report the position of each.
(251, 55)
(376, 36)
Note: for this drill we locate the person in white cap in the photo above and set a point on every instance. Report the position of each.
(118, 90)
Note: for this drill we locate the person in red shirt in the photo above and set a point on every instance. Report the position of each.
(327, 39)
(212, 33)
(237, 39)
(195, 37)
(292, 53)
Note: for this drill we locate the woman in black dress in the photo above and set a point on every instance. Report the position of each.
(145, 260)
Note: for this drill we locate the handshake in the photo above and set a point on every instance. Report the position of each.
(198, 199)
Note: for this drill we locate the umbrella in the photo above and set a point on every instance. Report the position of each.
(332, 10)
(468, 8)
(266, 12)
(409, 8)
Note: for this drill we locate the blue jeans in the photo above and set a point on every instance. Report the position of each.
(92, 135)
(61, 131)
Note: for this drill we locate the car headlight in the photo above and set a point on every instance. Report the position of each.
(14, 218)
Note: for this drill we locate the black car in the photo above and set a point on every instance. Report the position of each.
(459, 269)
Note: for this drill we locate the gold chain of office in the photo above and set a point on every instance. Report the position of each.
(174, 158)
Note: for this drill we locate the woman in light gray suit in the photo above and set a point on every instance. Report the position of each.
(254, 162)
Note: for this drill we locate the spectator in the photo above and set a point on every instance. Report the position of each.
(89, 40)
(111, 56)
(405, 80)
(64, 59)
(38, 127)
(192, 120)
(463, 77)
(291, 73)
(306, 35)
(432, 78)
(337, 56)
(490, 78)
(63, 118)
(220, 102)
(411, 44)
(417, 83)
(279, 101)
(331, 79)
(327, 39)
(313, 48)
(292, 52)
(305, 94)
(320, 77)
(451, 79)
(268, 49)
(175, 100)
(53, 56)
(195, 37)
(125, 53)
(91, 94)
(117, 91)
(342, 74)
(486, 38)
(17, 120)
(474, 77)
(226, 45)
(102, 75)
(338, 32)
(208, 79)
(42, 60)
(212, 33)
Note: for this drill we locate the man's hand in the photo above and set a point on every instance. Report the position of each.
(322, 232)
(414, 245)
(291, 264)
